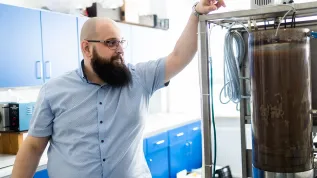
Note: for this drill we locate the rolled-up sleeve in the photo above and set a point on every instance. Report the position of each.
(152, 74)
(42, 118)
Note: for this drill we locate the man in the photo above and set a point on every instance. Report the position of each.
(94, 116)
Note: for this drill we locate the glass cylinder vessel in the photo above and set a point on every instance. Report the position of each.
(281, 100)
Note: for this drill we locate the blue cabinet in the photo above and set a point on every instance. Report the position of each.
(60, 50)
(41, 174)
(157, 155)
(178, 150)
(20, 47)
(37, 45)
(185, 148)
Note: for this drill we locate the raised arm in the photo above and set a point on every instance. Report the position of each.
(186, 46)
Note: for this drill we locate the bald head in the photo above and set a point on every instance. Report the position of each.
(96, 26)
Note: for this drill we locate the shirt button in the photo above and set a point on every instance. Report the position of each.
(104, 160)
(100, 103)
(101, 122)
(102, 141)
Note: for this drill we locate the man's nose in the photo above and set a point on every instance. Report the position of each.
(119, 49)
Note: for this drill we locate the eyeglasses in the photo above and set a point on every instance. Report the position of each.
(112, 43)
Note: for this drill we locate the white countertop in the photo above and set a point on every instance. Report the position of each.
(155, 124)
(162, 122)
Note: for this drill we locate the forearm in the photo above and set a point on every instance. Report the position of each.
(185, 48)
(26, 161)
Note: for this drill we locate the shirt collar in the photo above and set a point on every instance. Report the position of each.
(82, 71)
(84, 76)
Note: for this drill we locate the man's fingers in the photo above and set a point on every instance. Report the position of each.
(212, 7)
(221, 3)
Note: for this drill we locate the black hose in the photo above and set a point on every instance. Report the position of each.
(293, 20)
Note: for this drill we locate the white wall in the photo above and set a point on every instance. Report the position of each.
(183, 92)
(19, 94)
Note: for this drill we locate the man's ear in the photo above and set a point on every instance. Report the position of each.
(85, 48)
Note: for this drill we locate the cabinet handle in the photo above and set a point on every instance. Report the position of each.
(48, 70)
(190, 147)
(195, 128)
(38, 69)
(160, 142)
(180, 134)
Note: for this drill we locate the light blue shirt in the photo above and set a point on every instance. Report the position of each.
(96, 131)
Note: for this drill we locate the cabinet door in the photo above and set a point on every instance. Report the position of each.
(195, 143)
(158, 163)
(20, 47)
(41, 174)
(60, 49)
(178, 158)
(80, 23)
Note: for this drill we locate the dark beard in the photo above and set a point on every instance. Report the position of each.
(116, 75)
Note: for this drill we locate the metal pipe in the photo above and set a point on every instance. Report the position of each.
(243, 113)
(205, 99)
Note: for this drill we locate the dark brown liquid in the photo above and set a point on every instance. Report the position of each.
(281, 94)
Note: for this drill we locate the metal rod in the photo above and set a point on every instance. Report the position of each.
(307, 24)
(243, 113)
(205, 99)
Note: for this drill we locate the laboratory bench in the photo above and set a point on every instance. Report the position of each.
(173, 140)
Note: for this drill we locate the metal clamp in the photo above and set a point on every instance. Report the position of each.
(313, 112)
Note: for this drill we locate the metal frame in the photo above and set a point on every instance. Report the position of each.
(205, 99)
(266, 13)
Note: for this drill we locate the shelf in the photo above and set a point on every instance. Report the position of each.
(141, 25)
(265, 12)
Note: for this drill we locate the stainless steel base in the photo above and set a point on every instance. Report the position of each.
(257, 173)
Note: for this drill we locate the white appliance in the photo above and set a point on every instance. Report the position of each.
(259, 3)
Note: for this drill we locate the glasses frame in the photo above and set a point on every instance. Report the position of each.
(118, 42)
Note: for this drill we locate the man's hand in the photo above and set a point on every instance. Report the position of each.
(206, 6)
